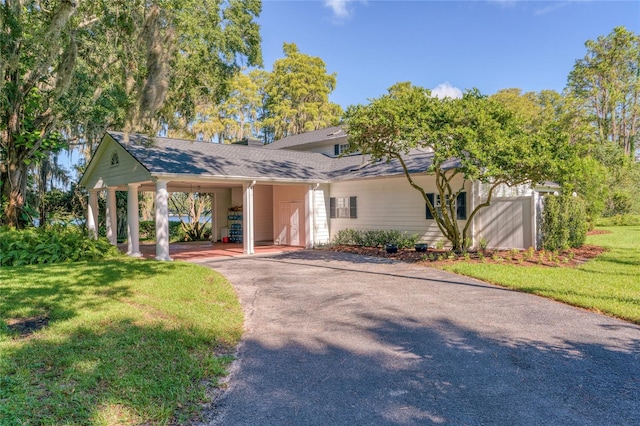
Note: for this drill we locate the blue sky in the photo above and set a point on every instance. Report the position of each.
(490, 45)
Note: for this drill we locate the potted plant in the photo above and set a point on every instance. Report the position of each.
(391, 248)
(421, 247)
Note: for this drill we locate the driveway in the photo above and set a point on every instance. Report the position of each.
(341, 339)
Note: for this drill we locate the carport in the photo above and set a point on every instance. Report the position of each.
(283, 200)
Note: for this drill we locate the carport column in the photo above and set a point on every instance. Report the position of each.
(310, 218)
(133, 214)
(112, 219)
(247, 218)
(162, 221)
(92, 214)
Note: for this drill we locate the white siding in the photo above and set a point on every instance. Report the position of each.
(103, 173)
(321, 212)
(389, 203)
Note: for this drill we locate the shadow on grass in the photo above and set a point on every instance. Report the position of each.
(120, 373)
(57, 292)
(373, 369)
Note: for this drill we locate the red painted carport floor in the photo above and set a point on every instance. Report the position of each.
(206, 249)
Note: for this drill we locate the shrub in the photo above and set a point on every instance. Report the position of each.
(147, 229)
(50, 245)
(375, 238)
(564, 223)
(619, 220)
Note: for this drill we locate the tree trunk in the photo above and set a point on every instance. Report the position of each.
(14, 191)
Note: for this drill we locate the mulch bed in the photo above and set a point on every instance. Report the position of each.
(433, 257)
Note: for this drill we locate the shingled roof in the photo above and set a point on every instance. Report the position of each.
(308, 138)
(165, 156)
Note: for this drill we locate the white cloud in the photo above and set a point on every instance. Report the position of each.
(446, 90)
(341, 8)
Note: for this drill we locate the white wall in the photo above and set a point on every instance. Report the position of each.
(321, 212)
(103, 173)
(390, 203)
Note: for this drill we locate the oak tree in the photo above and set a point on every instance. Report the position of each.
(472, 138)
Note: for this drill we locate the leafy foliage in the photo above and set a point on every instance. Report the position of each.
(375, 238)
(473, 138)
(297, 95)
(50, 245)
(606, 84)
(564, 223)
(72, 69)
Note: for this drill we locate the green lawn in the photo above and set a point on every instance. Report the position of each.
(609, 284)
(120, 341)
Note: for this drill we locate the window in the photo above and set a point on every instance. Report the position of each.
(461, 205)
(115, 161)
(340, 148)
(343, 207)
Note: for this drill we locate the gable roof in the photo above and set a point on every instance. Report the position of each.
(322, 135)
(177, 157)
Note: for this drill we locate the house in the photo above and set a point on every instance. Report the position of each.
(297, 191)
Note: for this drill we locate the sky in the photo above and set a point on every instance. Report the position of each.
(449, 45)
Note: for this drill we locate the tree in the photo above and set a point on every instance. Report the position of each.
(71, 69)
(194, 206)
(297, 95)
(238, 116)
(606, 83)
(475, 138)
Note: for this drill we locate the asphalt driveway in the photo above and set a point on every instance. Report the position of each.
(340, 339)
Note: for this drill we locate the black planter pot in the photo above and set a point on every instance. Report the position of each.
(391, 248)
(422, 247)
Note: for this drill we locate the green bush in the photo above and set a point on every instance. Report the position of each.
(564, 222)
(375, 238)
(50, 245)
(147, 229)
(619, 220)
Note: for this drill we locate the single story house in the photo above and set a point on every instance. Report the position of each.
(297, 191)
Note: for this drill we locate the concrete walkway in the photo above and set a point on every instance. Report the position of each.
(340, 339)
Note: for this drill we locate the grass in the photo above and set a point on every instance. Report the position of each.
(609, 284)
(112, 342)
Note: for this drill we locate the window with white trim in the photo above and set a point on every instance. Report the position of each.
(343, 207)
(340, 148)
(460, 205)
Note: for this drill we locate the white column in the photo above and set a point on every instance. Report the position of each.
(214, 217)
(247, 219)
(133, 225)
(162, 221)
(309, 218)
(112, 219)
(92, 214)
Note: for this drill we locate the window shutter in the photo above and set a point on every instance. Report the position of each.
(430, 197)
(336, 149)
(353, 209)
(332, 207)
(461, 206)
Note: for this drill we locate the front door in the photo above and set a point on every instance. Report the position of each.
(291, 220)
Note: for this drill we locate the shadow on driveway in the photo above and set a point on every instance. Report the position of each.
(336, 338)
